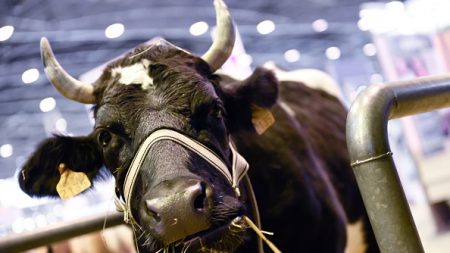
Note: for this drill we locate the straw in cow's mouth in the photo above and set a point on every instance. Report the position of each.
(222, 239)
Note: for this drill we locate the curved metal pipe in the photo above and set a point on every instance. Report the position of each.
(58, 232)
(371, 157)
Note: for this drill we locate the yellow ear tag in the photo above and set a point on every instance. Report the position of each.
(262, 119)
(71, 183)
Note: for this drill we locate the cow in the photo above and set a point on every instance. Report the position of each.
(198, 158)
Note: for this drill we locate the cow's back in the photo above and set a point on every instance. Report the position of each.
(323, 117)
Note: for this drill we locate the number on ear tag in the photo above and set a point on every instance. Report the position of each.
(71, 183)
(262, 119)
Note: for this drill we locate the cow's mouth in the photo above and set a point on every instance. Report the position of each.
(225, 238)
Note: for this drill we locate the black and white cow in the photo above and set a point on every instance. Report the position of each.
(167, 128)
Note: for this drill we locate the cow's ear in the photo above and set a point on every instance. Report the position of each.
(248, 99)
(40, 174)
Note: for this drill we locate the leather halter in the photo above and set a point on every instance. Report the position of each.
(239, 167)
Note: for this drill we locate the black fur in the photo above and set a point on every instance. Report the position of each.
(40, 173)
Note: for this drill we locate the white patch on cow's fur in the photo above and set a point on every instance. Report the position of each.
(355, 238)
(134, 74)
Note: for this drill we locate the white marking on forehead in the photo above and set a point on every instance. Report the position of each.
(134, 74)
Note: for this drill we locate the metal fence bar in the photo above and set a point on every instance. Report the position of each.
(58, 232)
(371, 157)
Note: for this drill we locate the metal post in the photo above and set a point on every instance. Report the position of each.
(61, 231)
(371, 156)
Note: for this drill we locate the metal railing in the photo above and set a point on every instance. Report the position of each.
(371, 157)
(58, 232)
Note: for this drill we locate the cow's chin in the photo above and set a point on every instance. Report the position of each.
(225, 238)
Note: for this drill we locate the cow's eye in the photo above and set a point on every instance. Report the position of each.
(104, 137)
(217, 111)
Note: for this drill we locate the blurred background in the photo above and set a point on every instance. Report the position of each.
(357, 42)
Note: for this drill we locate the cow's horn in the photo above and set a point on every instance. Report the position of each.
(66, 85)
(224, 38)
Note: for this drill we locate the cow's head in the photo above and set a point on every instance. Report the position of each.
(178, 198)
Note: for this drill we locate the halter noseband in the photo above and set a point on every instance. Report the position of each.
(239, 165)
(239, 168)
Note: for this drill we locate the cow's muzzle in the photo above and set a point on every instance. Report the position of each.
(178, 208)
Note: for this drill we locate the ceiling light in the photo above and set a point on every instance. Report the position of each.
(364, 24)
(114, 31)
(17, 226)
(376, 78)
(6, 150)
(369, 49)
(320, 25)
(199, 28)
(61, 125)
(47, 104)
(364, 12)
(30, 76)
(265, 27)
(244, 60)
(28, 224)
(292, 55)
(395, 6)
(333, 53)
(41, 221)
(6, 32)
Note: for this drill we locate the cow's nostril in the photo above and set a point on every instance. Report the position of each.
(154, 215)
(200, 200)
(151, 211)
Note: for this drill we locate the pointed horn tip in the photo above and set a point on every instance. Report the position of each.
(220, 6)
(220, 3)
(44, 40)
(45, 44)
(46, 51)
(44, 47)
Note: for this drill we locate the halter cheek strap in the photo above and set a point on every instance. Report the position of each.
(239, 165)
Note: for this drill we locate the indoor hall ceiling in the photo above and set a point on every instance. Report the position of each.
(76, 30)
